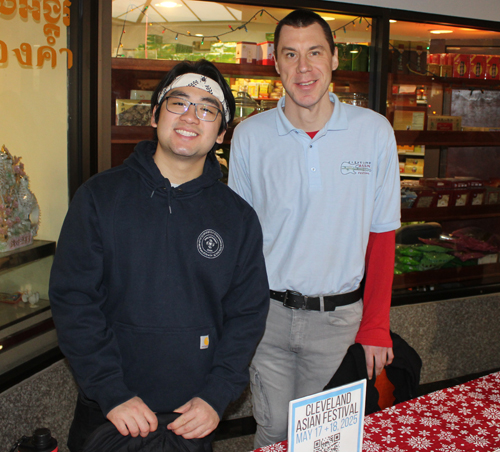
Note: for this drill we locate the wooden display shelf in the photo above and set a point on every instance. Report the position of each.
(243, 70)
(486, 274)
(450, 213)
(29, 253)
(452, 82)
(442, 138)
(134, 134)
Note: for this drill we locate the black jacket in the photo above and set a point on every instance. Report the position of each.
(403, 373)
(108, 438)
(157, 291)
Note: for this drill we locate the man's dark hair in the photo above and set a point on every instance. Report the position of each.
(202, 67)
(301, 18)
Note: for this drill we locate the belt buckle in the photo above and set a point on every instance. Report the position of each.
(303, 302)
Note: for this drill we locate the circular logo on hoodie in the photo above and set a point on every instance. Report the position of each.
(210, 244)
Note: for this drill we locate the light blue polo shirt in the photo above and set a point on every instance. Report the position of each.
(318, 199)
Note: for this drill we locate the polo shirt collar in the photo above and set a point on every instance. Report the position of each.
(338, 120)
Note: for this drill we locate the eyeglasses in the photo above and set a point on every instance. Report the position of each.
(179, 106)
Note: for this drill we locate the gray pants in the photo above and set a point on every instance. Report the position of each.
(299, 353)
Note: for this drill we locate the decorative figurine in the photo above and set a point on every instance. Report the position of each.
(19, 210)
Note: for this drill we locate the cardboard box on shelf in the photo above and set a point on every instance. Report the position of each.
(138, 94)
(133, 112)
(409, 120)
(445, 123)
(345, 56)
(360, 56)
(418, 59)
(246, 52)
(477, 68)
(446, 70)
(433, 68)
(265, 53)
(399, 57)
(404, 148)
(459, 197)
(461, 65)
(492, 67)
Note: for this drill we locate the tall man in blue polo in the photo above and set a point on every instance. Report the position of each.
(324, 179)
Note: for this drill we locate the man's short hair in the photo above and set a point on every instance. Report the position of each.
(301, 18)
(202, 67)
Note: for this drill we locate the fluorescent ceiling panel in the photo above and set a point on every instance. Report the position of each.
(210, 11)
(189, 11)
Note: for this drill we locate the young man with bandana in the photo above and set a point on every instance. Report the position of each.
(158, 288)
(323, 178)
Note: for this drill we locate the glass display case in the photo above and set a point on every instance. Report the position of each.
(443, 104)
(436, 82)
(240, 42)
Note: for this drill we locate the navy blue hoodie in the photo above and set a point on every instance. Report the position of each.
(156, 291)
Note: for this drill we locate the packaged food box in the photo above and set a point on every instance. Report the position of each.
(360, 55)
(138, 94)
(442, 189)
(399, 57)
(418, 59)
(441, 122)
(477, 196)
(459, 197)
(246, 52)
(461, 65)
(477, 191)
(345, 57)
(492, 67)
(426, 197)
(492, 196)
(404, 148)
(133, 112)
(433, 68)
(445, 70)
(408, 197)
(477, 68)
(265, 53)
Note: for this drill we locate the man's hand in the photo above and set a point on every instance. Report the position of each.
(134, 417)
(377, 357)
(198, 419)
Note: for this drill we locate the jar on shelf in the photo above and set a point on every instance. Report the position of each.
(359, 99)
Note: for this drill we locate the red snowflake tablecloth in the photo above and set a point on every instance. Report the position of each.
(461, 418)
(457, 419)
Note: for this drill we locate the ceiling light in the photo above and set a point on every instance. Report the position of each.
(392, 21)
(327, 18)
(440, 32)
(171, 4)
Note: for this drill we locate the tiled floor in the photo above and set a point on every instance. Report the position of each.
(241, 444)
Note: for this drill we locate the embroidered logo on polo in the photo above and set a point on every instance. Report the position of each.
(210, 244)
(355, 167)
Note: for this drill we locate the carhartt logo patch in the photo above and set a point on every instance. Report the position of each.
(210, 244)
(204, 342)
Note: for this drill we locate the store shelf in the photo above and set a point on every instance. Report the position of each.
(450, 213)
(452, 139)
(243, 70)
(452, 82)
(411, 175)
(38, 250)
(485, 274)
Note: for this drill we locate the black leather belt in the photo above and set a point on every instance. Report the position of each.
(296, 300)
